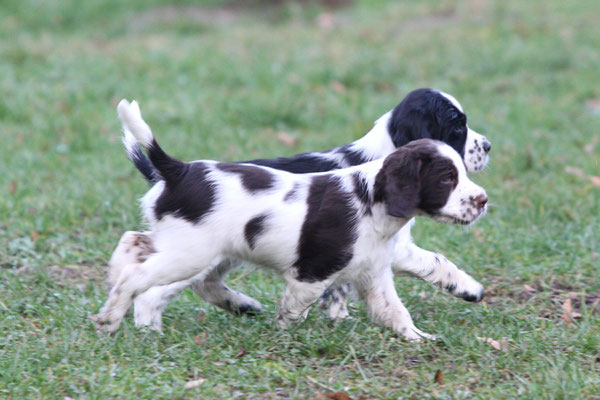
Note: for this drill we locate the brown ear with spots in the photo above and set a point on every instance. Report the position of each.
(398, 183)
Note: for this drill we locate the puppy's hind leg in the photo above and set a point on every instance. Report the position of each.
(158, 269)
(133, 248)
(385, 306)
(213, 290)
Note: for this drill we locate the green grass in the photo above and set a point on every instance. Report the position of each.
(222, 87)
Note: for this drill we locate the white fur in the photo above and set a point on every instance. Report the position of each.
(377, 141)
(133, 124)
(476, 158)
(452, 100)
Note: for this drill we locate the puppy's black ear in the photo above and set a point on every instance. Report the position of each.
(398, 183)
(410, 123)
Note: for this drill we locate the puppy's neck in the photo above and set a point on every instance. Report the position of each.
(377, 143)
(384, 224)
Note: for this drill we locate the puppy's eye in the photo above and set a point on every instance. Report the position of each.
(454, 115)
(448, 181)
(456, 132)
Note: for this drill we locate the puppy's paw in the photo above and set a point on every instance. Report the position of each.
(466, 288)
(243, 305)
(413, 334)
(104, 324)
(282, 322)
(338, 311)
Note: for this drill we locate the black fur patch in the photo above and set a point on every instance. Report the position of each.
(143, 164)
(427, 114)
(254, 228)
(300, 164)
(361, 190)
(253, 178)
(415, 176)
(470, 297)
(352, 157)
(292, 194)
(190, 197)
(328, 231)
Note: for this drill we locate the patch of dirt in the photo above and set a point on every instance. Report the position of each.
(76, 275)
(557, 292)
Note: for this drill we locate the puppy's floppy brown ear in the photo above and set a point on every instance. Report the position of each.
(398, 183)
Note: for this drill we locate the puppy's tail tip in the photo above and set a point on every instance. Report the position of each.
(134, 126)
(137, 132)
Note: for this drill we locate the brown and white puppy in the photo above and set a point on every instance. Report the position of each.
(423, 113)
(315, 229)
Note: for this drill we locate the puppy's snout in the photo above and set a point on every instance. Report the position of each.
(480, 201)
(486, 145)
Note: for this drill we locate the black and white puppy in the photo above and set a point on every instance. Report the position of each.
(424, 113)
(315, 229)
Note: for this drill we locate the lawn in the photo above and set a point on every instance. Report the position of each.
(223, 81)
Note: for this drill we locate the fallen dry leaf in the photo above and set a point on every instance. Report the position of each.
(568, 313)
(241, 353)
(201, 316)
(287, 139)
(527, 292)
(439, 378)
(528, 288)
(337, 87)
(34, 235)
(200, 339)
(194, 384)
(12, 186)
(498, 345)
(589, 147)
(578, 172)
(334, 396)
(567, 310)
(594, 105)
(325, 21)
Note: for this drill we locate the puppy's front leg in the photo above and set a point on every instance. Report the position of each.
(437, 269)
(336, 298)
(385, 306)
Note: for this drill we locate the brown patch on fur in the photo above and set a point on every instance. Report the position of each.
(144, 244)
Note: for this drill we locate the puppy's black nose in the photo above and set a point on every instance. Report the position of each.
(486, 146)
(480, 201)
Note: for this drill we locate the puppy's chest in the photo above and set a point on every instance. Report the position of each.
(372, 251)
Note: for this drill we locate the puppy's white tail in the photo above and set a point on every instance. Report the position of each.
(135, 128)
(136, 131)
(132, 146)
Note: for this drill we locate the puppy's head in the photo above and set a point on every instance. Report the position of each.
(427, 177)
(431, 114)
